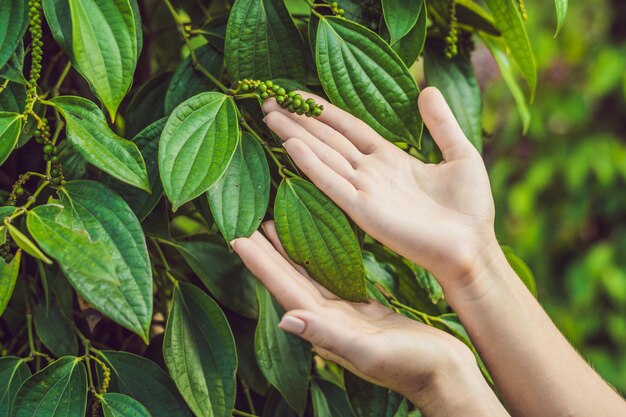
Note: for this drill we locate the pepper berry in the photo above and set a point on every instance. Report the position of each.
(291, 100)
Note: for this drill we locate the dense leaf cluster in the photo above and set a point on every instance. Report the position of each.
(116, 218)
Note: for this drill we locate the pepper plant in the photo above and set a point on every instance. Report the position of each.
(133, 150)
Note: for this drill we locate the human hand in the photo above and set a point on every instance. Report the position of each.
(439, 216)
(426, 365)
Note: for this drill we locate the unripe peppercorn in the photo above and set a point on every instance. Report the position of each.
(280, 99)
(54, 158)
(48, 148)
(297, 102)
(317, 112)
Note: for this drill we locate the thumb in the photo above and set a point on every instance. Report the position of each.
(443, 126)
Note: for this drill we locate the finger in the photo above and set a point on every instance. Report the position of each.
(286, 128)
(324, 133)
(443, 126)
(339, 189)
(366, 139)
(270, 231)
(280, 284)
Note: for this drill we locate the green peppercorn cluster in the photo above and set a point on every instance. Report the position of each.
(337, 11)
(50, 152)
(522, 9)
(17, 190)
(36, 33)
(453, 33)
(291, 100)
(5, 253)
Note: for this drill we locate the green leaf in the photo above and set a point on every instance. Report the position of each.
(522, 270)
(410, 46)
(239, 199)
(215, 31)
(102, 39)
(329, 400)
(188, 82)
(100, 247)
(510, 24)
(23, 242)
(456, 80)
(317, 235)
(10, 127)
(13, 70)
(89, 133)
(362, 74)
(55, 330)
(262, 42)
(196, 146)
(145, 381)
(13, 373)
(58, 390)
(13, 21)
(223, 274)
(200, 354)
(13, 98)
(247, 367)
(401, 16)
(141, 202)
(8, 277)
(276, 406)
(561, 14)
(146, 106)
(370, 400)
(120, 405)
(283, 358)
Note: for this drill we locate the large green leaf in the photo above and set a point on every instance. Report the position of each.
(13, 24)
(89, 133)
(147, 104)
(13, 373)
(224, 275)
(8, 277)
(100, 246)
(317, 235)
(10, 126)
(262, 42)
(103, 40)
(196, 146)
(410, 46)
(145, 381)
(120, 405)
(362, 74)
(200, 353)
(187, 81)
(55, 330)
(561, 14)
(400, 16)
(456, 80)
(284, 359)
(370, 400)
(239, 199)
(511, 26)
(58, 390)
(330, 400)
(142, 202)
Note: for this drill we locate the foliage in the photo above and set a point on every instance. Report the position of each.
(124, 182)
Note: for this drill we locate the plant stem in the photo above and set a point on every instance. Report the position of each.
(29, 324)
(59, 83)
(246, 392)
(426, 317)
(243, 414)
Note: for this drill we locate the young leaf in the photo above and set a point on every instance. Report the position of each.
(58, 390)
(8, 277)
(55, 330)
(196, 146)
(223, 274)
(370, 400)
(23, 242)
(400, 16)
(510, 24)
(199, 352)
(188, 82)
(13, 373)
(263, 42)
(456, 80)
(120, 405)
(239, 199)
(284, 359)
(410, 46)
(145, 381)
(317, 235)
(330, 400)
(10, 127)
(522, 270)
(89, 133)
(103, 40)
(13, 21)
(362, 74)
(561, 14)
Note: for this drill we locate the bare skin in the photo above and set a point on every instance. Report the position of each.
(441, 217)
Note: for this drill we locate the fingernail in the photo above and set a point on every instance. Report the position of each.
(292, 324)
(285, 143)
(232, 244)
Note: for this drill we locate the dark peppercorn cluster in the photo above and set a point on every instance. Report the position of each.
(36, 33)
(291, 100)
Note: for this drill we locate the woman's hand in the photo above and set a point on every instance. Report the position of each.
(435, 371)
(438, 216)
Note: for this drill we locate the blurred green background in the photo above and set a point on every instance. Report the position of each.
(560, 190)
